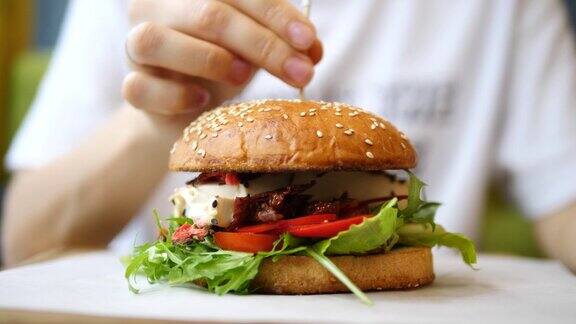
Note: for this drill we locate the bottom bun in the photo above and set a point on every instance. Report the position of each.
(402, 268)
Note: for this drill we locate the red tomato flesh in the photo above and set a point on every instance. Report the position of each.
(245, 242)
(324, 230)
(259, 228)
(231, 179)
(307, 220)
(281, 225)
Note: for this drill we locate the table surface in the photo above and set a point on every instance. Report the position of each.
(90, 288)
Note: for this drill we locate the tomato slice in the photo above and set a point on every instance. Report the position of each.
(280, 226)
(307, 220)
(231, 178)
(324, 230)
(259, 228)
(245, 242)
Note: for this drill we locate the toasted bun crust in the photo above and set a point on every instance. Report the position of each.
(291, 135)
(402, 268)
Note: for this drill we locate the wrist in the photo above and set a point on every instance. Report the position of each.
(151, 128)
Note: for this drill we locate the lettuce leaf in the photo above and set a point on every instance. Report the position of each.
(373, 233)
(426, 235)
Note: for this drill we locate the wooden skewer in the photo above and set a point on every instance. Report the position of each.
(306, 7)
(306, 10)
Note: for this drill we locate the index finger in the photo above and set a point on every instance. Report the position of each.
(282, 17)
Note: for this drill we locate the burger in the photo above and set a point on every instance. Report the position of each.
(295, 197)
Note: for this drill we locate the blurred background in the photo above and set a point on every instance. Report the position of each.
(28, 32)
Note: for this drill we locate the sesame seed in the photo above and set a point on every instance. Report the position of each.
(338, 109)
(201, 152)
(373, 126)
(311, 113)
(403, 135)
(214, 134)
(302, 114)
(224, 122)
(338, 113)
(352, 114)
(268, 137)
(217, 128)
(203, 136)
(173, 149)
(284, 116)
(319, 134)
(249, 119)
(338, 125)
(240, 124)
(382, 126)
(349, 131)
(267, 109)
(369, 155)
(403, 146)
(194, 145)
(312, 110)
(368, 141)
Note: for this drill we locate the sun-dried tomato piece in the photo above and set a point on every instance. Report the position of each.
(188, 232)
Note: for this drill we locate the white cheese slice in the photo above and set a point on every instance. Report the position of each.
(357, 184)
(213, 204)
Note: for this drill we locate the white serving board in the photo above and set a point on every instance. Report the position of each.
(504, 289)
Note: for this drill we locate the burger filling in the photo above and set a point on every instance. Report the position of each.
(228, 201)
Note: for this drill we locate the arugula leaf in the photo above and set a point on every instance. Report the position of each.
(156, 215)
(238, 278)
(371, 234)
(414, 191)
(418, 210)
(425, 235)
(133, 266)
(336, 272)
(221, 271)
(290, 245)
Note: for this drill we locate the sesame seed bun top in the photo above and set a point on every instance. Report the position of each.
(290, 135)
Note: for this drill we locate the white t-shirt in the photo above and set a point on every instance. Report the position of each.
(483, 89)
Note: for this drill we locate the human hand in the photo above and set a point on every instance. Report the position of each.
(190, 55)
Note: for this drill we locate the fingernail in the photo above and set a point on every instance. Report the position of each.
(298, 69)
(201, 97)
(240, 71)
(301, 35)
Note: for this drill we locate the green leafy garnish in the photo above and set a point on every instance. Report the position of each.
(336, 272)
(418, 210)
(371, 234)
(222, 271)
(219, 270)
(425, 235)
